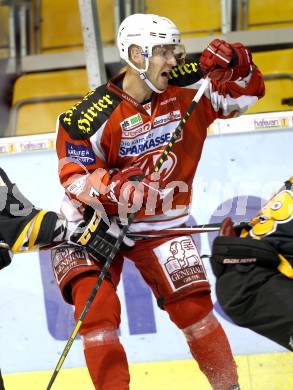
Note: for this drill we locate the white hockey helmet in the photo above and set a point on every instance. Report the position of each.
(146, 31)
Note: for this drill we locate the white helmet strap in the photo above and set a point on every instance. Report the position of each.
(143, 76)
(148, 82)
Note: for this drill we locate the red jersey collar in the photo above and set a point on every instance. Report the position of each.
(112, 86)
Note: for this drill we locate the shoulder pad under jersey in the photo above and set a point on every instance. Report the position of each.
(86, 117)
(187, 74)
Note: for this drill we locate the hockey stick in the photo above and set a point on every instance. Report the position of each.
(207, 228)
(173, 232)
(123, 232)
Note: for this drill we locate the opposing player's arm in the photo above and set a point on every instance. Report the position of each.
(267, 240)
(24, 227)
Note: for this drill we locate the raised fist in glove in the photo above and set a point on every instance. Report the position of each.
(223, 61)
(130, 187)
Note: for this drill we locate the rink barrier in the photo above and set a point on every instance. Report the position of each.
(245, 123)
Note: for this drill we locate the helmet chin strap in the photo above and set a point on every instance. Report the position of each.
(142, 74)
(144, 77)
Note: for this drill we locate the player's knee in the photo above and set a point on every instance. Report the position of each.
(201, 328)
(99, 337)
(104, 312)
(190, 309)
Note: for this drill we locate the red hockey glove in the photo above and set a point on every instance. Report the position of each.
(131, 187)
(223, 61)
(128, 187)
(227, 228)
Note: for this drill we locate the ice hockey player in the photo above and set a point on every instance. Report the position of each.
(115, 134)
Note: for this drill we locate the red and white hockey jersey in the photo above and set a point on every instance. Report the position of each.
(109, 129)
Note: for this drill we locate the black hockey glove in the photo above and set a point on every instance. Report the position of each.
(5, 258)
(228, 249)
(1, 382)
(99, 238)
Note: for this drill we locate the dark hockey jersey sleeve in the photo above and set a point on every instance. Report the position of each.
(22, 226)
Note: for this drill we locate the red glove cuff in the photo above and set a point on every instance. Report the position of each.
(244, 61)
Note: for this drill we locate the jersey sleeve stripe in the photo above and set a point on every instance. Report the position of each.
(95, 141)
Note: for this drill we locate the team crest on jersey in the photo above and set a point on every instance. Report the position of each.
(131, 122)
(149, 160)
(181, 262)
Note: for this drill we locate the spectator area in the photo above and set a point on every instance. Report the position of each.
(38, 98)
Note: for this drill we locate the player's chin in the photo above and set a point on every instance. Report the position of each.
(162, 83)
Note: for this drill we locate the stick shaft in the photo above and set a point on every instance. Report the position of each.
(88, 304)
(180, 126)
(206, 228)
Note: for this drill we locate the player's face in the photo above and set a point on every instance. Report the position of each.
(160, 65)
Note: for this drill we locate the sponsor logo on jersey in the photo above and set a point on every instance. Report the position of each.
(171, 99)
(89, 115)
(166, 118)
(80, 153)
(65, 259)
(181, 262)
(149, 141)
(131, 122)
(137, 131)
